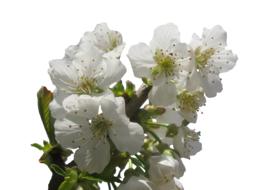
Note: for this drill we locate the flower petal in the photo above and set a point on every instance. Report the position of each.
(55, 105)
(224, 60)
(63, 74)
(93, 156)
(68, 133)
(80, 108)
(137, 183)
(165, 37)
(171, 116)
(127, 136)
(163, 95)
(141, 59)
(114, 71)
(215, 37)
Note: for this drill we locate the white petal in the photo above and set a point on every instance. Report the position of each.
(171, 116)
(106, 40)
(80, 108)
(137, 183)
(215, 37)
(64, 75)
(161, 133)
(190, 116)
(71, 51)
(224, 60)
(115, 53)
(174, 184)
(141, 59)
(165, 37)
(68, 133)
(164, 168)
(55, 106)
(93, 156)
(112, 106)
(196, 41)
(163, 95)
(211, 84)
(86, 56)
(114, 71)
(127, 136)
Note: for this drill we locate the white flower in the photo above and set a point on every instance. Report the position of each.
(164, 168)
(137, 183)
(164, 62)
(88, 130)
(174, 184)
(87, 73)
(211, 58)
(108, 41)
(186, 106)
(186, 142)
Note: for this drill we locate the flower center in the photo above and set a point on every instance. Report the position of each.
(165, 63)
(190, 101)
(202, 57)
(88, 86)
(114, 40)
(100, 126)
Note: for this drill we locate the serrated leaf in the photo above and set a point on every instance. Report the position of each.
(44, 98)
(118, 89)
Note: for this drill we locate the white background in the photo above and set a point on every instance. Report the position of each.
(32, 32)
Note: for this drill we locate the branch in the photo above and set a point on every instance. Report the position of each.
(136, 102)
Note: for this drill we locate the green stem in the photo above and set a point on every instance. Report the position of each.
(109, 186)
(158, 124)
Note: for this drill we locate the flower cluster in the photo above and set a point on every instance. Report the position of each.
(107, 126)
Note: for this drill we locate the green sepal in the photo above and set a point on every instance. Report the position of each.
(130, 89)
(44, 98)
(118, 89)
(146, 81)
(70, 180)
(38, 146)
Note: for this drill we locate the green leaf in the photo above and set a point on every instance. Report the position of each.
(130, 89)
(146, 81)
(44, 98)
(118, 89)
(70, 180)
(83, 176)
(38, 146)
(57, 169)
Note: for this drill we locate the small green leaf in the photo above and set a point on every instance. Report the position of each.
(44, 98)
(118, 89)
(57, 169)
(146, 81)
(130, 88)
(38, 146)
(70, 180)
(83, 176)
